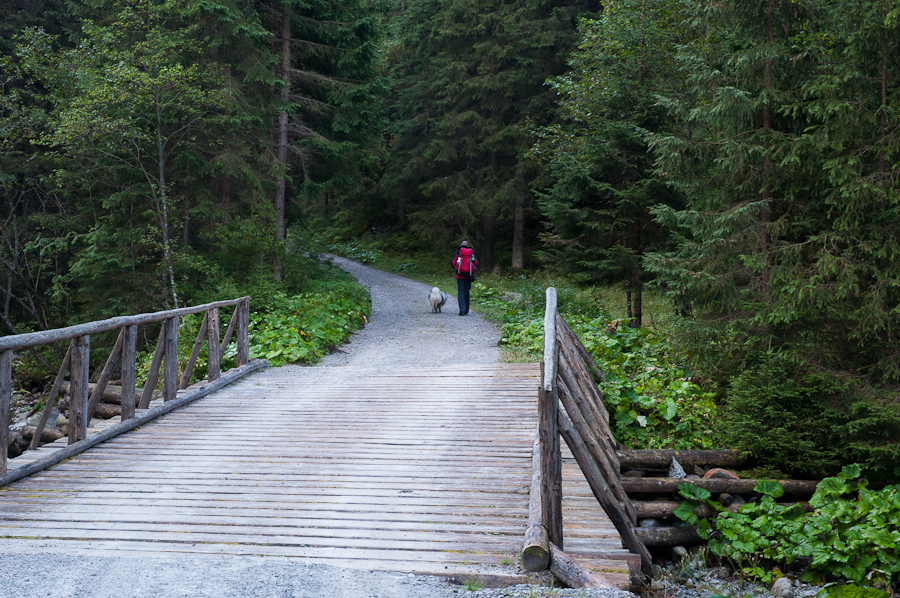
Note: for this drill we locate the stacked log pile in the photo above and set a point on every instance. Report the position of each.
(651, 479)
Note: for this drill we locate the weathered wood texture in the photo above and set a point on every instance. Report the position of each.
(5, 398)
(548, 431)
(422, 470)
(33, 339)
(536, 547)
(585, 426)
(661, 459)
(716, 485)
(570, 572)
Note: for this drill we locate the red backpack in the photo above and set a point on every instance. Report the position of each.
(464, 261)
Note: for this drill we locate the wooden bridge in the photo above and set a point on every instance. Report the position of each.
(424, 470)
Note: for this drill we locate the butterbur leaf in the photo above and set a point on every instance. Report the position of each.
(851, 472)
(685, 512)
(851, 591)
(691, 492)
(769, 488)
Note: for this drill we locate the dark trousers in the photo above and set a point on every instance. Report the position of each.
(463, 286)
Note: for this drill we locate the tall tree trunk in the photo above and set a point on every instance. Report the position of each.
(486, 251)
(282, 134)
(164, 200)
(882, 167)
(766, 214)
(518, 247)
(636, 276)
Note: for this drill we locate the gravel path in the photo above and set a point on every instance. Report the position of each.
(402, 332)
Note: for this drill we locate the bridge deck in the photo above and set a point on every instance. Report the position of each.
(422, 470)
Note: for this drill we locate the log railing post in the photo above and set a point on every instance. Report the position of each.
(78, 388)
(5, 398)
(548, 430)
(243, 333)
(170, 373)
(214, 360)
(129, 358)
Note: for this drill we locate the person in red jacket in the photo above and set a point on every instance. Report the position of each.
(464, 263)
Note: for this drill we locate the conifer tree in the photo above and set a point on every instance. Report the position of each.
(470, 77)
(604, 179)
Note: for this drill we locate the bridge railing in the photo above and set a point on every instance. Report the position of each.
(83, 399)
(584, 424)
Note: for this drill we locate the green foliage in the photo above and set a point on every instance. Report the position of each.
(303, 328)
(851, 535)
(470, 77)
(652, 402)
(604, 174)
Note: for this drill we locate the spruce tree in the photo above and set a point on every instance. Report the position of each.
(603, 171)
(470, 80)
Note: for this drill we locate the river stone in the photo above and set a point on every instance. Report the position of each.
(782, 588)
(676, 470)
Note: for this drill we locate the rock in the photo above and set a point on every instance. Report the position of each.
(648, 523)
(782, 588)
(719, 473)
(739, 500)
(676, 470)
(679, 552)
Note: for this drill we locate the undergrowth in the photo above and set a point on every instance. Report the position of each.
(852, 534)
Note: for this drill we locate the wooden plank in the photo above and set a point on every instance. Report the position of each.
(536, 547)
(595, 448)
(243, 332)
(604, 494)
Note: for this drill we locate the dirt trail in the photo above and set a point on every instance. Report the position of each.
(403, 332)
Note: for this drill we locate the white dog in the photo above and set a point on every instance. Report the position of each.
(437, 298)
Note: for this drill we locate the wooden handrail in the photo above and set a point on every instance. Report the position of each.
(44, 337)
(77, 360)
(584, 424)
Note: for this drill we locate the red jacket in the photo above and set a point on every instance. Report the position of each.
(464, 262)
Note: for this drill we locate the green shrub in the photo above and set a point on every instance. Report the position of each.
(851, 535)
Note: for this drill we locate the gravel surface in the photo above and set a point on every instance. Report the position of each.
(403, 332)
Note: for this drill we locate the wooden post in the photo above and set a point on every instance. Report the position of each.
(536, 547)
(5, 398)
(129, 356)
(51, 398)
(170, 373)
(243, 333)
(548, 409)
(78, 389)
(214, 362)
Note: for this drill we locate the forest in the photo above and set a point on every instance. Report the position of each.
(737, 160)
